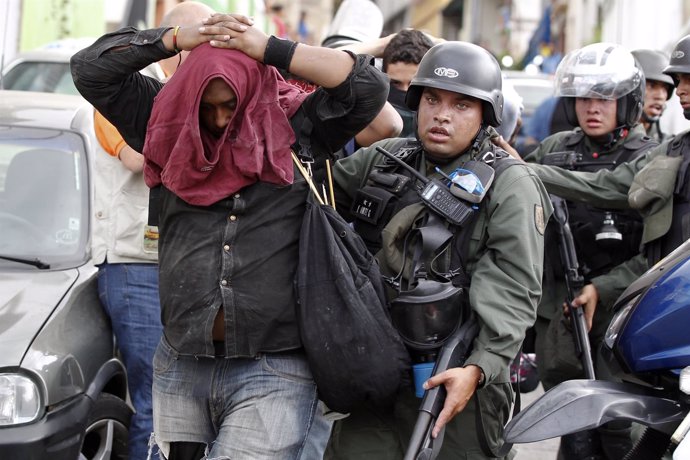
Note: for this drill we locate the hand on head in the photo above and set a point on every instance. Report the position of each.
(234, 31)
(221, 30)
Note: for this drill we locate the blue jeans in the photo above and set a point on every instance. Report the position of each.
(129, 294)
(240, 408)
(318, 436)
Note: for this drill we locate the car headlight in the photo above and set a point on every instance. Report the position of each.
(617, 322)
(20, 400)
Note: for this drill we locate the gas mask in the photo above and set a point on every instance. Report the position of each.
(427, 315)
(428, 307)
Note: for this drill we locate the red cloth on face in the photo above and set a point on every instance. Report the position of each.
(202, 169)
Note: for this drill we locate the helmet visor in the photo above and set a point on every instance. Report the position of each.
(600, 71)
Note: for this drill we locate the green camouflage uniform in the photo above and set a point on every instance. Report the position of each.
(505, 263)
(646, 183)
(556, 360)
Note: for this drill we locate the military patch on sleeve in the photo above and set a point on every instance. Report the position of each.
(539, 218)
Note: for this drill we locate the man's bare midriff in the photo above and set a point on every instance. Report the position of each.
(219, 326)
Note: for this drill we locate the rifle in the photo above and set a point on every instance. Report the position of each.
(574, 283)
(453, 354)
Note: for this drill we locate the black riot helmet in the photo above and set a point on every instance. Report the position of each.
(680, 59)
(680, 63)
(602, 71)
(462, 68)
(653, 63)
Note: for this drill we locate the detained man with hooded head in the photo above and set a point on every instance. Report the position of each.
(124, 248)
(230, 377)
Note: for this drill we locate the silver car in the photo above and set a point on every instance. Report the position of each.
(533, 88)
(63, 389)
(45, 69)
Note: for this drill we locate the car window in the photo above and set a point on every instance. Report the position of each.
(533, 95)
(43, 195)
(65, 84)
(44, 77)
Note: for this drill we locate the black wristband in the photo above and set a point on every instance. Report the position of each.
(279, 52)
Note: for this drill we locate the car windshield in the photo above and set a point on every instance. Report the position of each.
(44, 77)
(43, 197)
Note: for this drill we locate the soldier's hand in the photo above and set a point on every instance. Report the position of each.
(460, 383)
(502, 143)
(587, 299)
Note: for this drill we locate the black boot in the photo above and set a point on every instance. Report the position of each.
(615, 439)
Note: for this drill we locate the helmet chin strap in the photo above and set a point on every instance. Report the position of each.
(482, 135)
(609, 140)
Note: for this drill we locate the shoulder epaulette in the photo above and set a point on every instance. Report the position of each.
(574, 137)
(639, 142)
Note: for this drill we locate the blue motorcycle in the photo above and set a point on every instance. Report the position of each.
(647, 348)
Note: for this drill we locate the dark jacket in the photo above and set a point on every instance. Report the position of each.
(585, 220)
(240, 252)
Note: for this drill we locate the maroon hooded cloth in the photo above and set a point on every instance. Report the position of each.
(255, 146)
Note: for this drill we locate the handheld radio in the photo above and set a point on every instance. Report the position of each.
(435, 195)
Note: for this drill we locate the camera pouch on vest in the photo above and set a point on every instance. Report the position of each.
(369, 204)
(371, 201)
(374, 204)
(472, 181)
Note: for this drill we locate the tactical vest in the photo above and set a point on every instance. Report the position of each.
(597, 257)
(436, 251)
(390, 188)
(680, 222)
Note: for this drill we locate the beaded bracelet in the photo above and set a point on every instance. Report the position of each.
(177, 28)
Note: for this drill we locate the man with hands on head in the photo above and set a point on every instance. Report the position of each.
(125, 250)
(230, 377)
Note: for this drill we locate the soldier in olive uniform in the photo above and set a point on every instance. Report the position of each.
(659, 88)
(603, 91)
(491, 265)
(655, 184)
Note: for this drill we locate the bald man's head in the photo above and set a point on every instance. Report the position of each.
(183, 14)
(186, 14)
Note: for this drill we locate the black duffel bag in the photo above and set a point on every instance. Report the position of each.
(355, 354)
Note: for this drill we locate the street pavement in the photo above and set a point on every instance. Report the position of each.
(542, 450)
